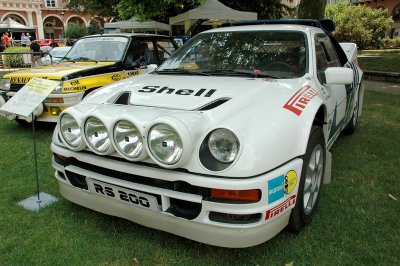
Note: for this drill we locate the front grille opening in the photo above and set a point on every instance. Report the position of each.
(61, 175)
(234, 218)
(184, 209)
(77, 180)
(214, 104)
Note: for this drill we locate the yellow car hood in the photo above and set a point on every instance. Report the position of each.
(54, 72)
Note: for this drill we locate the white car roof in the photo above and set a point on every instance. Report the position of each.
(284, 27)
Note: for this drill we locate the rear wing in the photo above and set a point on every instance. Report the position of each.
(350, 49)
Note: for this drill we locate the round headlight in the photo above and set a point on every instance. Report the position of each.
(70, 130)
(165, 144)
(5, 84)
(128, 140)
(223, 145)
(97, 135)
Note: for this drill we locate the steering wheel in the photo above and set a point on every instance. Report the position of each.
(280, 66)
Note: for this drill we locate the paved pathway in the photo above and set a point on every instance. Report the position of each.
(384, 87)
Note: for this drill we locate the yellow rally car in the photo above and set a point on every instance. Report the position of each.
(93, 61)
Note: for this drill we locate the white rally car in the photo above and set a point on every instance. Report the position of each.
(226, 143)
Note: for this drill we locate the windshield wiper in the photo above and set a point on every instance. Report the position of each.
(68, 59)
(238, 73)
(85, 59)
(180, 71)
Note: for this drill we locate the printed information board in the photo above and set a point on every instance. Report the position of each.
(29, 96)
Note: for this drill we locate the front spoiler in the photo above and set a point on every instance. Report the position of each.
(205, 233)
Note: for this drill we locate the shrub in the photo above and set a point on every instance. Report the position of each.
(387, 43)
(16, 60)
(75, 31)
(359, 24)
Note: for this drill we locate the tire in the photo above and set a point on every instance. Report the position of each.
(312, 175)
(352, 124)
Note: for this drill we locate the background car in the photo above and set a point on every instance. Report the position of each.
(93, 61)
(55, 55)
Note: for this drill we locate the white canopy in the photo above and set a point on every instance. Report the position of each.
(133, 25)
(11, 25)
(213, 10)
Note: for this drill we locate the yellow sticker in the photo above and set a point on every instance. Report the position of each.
(290, 181)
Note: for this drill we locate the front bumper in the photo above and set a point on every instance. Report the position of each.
(53, 105)
(181, 211)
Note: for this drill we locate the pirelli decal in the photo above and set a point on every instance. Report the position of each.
(300, 99)
(280, 208)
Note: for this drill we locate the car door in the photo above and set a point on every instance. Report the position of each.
(335, 95)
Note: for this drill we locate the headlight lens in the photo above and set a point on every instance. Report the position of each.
(58, 89)
(223, 145)
(70, 130)
(165, 144)
(128, 140)
(5, 84)
(97, 135)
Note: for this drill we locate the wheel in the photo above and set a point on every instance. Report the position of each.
(311, 179)
(351, 125)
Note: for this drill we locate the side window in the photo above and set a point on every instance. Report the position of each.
(322, 61)
(138, 53)
(333, 59)
(165, 48)
(325, 56)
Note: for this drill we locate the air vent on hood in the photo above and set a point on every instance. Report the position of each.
(123, 98)
(214, 104)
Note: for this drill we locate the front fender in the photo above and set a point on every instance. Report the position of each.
(270, 138)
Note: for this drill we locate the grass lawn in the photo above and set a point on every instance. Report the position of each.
(380, 60)
(358, 223)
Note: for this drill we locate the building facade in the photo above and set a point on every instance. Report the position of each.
(49, 18)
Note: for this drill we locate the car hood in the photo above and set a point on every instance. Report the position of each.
(54, 72)
(200, 92)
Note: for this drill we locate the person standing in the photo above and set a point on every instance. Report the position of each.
(28, 39)
(36, 57)
(6, 40)
(53, 43)
(69, 42)
(23, 40)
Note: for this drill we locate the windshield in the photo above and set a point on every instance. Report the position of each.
(59, 51)
(98, 49)
(278, 54)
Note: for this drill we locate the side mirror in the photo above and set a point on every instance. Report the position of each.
(339, 75)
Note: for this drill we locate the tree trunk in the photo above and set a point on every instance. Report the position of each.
(312, 9)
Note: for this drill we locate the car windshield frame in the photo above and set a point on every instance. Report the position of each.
(99, 49)
(281, 54)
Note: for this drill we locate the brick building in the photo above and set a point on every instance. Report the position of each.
(48, 17)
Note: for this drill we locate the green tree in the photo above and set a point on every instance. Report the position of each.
(265, 9)
(313, 9)
(359, 24)
(162, 10)
(75, 31)
(159, 10)
(103, 8)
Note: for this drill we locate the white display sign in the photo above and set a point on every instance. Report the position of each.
(29, 96)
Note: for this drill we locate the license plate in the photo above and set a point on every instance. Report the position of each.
(128, 196)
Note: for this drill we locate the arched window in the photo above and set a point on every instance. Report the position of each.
(396, 13)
